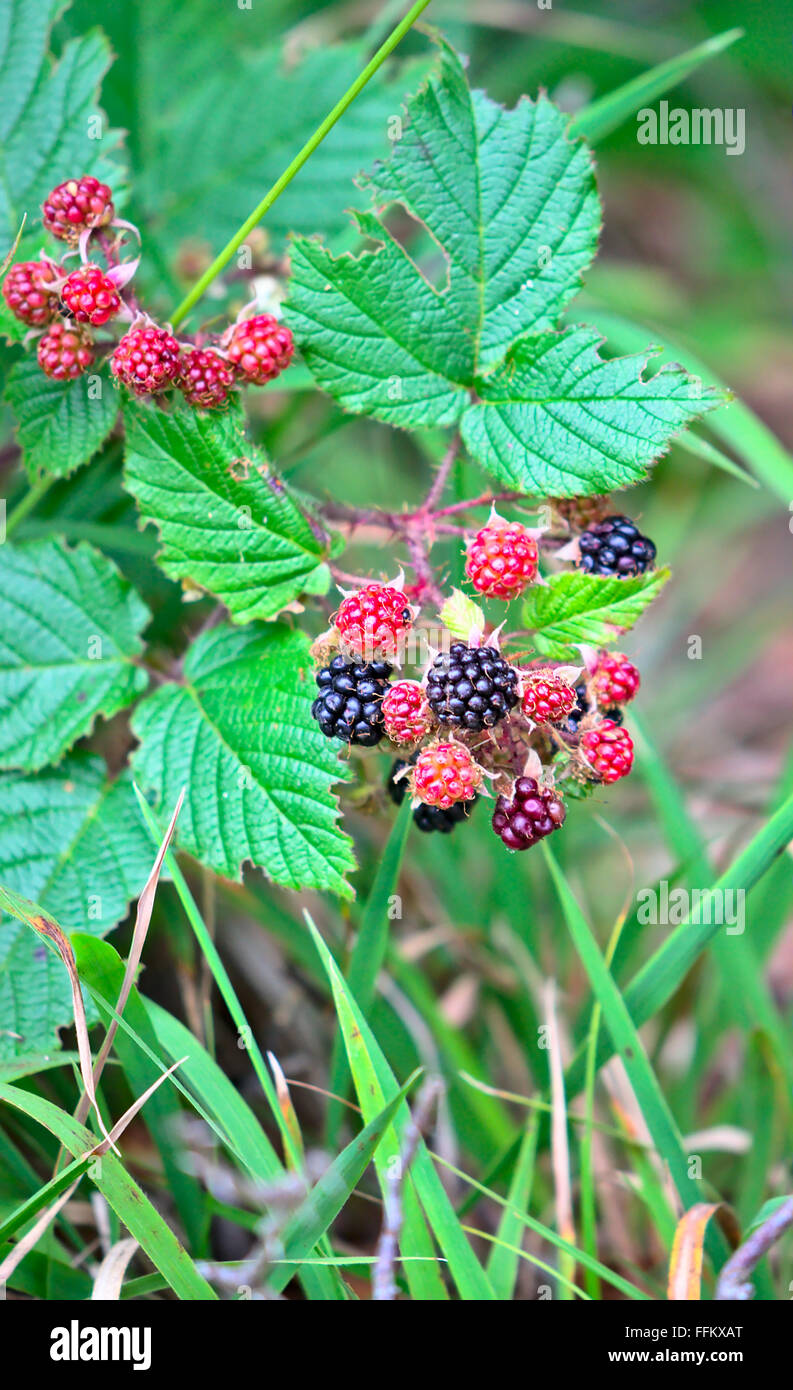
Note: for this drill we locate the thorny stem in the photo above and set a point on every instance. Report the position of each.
(486, 499)
(418, 529)
(734, 1283)
(222, 260)
(436, 491)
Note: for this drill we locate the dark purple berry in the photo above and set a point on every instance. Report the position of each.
(615, 547)
(531, 814)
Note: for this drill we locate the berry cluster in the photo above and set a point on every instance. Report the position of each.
(474, 717)
(147, 358)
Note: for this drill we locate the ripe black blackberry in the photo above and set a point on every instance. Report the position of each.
(427, 818)
(615, 547)
(582, 707)
(471, 687)
(348, 705)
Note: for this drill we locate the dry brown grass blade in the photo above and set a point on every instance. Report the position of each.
(132, 1110)
(142, 920)
(13, 250)
(52, 932)
(685, 1263)
(110, 1275)
(27, 1242)
(287, 1108)
(560, 1150)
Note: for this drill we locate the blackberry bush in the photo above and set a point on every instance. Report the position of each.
(249, 466)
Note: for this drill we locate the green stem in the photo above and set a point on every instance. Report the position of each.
(29, 501)
(222, 260)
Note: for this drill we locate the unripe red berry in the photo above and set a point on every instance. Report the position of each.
(406, 713)
(77, 206)
(445, 773)
(502, 559)
(609, 750)
(90, 296)
(64, 352)
(615, 679)
(205, 378)
(531, 813)
(147, 359)
(547, 699)
(27, 290)
(259, 348)
(371, 621)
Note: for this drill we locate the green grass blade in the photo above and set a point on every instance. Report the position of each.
(375, 1084)
(367, 957)
(42, 1198)
(504, 1260)
(629, 1048)
(325, 1200)
(209, 1091)
(102, 968)
(745, 994)
(660, 976)
(221, 978)
(332, 1283)
(548, 1234)
(127, 1200)
(608, 112)
(656, 982)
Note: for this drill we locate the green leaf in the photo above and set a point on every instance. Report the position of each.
(509, 202)
(460, 615)
(738, 428)
(239, 734)
(575, 607)
(69, 630)
(73, 841)
(126, 1199)
(60, 424)
(557, 418)
(227, 522)
(46, 109)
